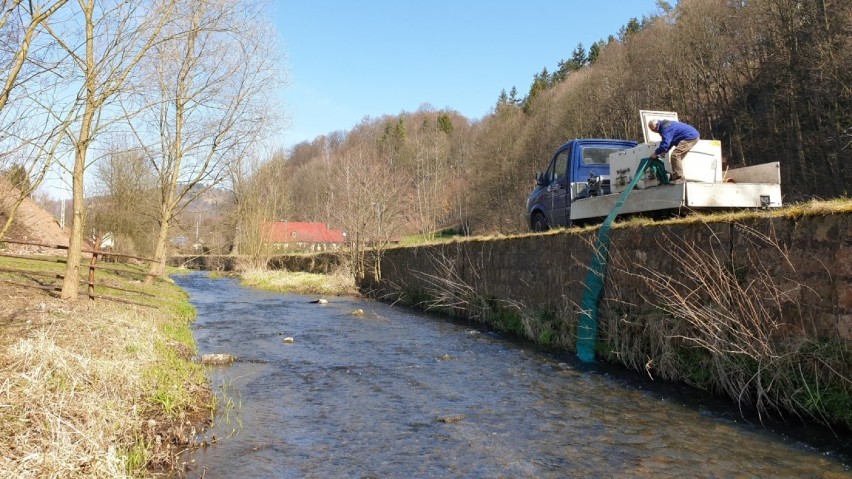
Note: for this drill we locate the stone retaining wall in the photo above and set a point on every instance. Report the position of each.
(809, 258)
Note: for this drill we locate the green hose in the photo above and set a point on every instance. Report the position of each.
(658, 169)
(587, 328)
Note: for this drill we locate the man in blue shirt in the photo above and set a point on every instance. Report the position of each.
(677, 135)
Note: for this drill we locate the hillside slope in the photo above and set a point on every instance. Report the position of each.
(31, 224)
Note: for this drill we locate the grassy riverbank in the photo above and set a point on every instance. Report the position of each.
(300, 282)
(96, 388)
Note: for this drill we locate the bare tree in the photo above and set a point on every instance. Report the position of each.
(214, 77)
(20, 23)
(369, 201)
(124, 206)
(431, 172)
(308, 171)
(494, 173)
(260, 197)
(105, 42)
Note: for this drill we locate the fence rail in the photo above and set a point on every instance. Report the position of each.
(90, 282)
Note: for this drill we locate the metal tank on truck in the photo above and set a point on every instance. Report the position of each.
(586, 177)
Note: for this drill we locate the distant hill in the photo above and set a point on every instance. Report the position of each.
(31, 224)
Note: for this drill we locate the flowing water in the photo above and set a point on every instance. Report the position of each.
(393, 393)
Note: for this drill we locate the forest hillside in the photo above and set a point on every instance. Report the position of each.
(771, 79)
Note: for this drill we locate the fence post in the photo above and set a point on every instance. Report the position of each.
(92, 267)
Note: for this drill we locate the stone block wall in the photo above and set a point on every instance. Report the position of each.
(808, 260)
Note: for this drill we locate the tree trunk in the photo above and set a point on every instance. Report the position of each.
(70, 283)
(158, 266)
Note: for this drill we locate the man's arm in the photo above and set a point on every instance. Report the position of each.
(665, 141)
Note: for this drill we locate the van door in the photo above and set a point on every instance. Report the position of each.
(560, 193)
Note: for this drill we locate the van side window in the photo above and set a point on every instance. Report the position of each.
(560, 164)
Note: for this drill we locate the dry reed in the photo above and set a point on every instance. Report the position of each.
(726, 320)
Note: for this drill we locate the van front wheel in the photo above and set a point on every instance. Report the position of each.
(539, 223)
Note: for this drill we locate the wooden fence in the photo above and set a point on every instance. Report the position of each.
(91, 291)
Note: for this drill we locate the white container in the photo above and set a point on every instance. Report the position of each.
(623, 165)
(703, 163)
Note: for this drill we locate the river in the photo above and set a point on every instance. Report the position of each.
(393, 393)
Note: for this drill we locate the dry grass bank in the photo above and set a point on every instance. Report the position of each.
(96, 389)
(298, 282)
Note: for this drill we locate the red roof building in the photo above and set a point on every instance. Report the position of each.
(303, 235)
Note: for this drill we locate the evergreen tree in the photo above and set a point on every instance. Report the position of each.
(579, 59)
(633, 26)
(507, 100)
(566, 67)
(595, 51)
(541, 82)
(503, 99)
(513, 96)
(445, 123)
(561, 73)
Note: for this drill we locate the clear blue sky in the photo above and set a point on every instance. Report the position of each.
(351, 59)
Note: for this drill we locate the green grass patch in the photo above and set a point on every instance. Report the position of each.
(136, 457)
(505, 320)
(184, 310)
(177, 271)
(118, 280)
(180, 332)
(545, 336)
(820, 377)
(694, 364)
(42, 264)
(170, 380)
(173, 377)
(416, 298)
